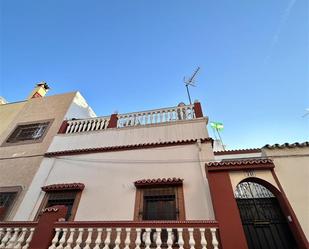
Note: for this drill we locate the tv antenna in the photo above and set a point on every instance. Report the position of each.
(190, 82)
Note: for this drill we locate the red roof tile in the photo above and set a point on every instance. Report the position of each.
(63, 187)
(159, 181)
(286, 145)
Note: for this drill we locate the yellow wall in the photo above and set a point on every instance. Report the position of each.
(292, 169)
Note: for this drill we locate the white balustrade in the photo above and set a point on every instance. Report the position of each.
(133, 238)
(185, 112)
(163, 115)
(84, 125)
(15, 238)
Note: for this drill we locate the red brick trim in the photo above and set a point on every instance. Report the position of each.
(242, 151)
(226, 211)
(44, 232)
(113, 121)
(63, 127)
(159, 181)
(235, 165)
(63, 187)
(125, 147)
(198, 110)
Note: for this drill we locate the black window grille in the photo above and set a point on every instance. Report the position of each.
(65, 198)
(159, 204)
(28, 132)
(6, 200)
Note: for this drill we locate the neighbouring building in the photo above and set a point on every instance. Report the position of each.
(152, 179)
(26, 131)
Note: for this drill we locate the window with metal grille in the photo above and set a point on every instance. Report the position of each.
(28, 132)
(6, 200)
(65, 198)
(159, 204)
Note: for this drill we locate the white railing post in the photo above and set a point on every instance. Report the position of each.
(158, 240)
(88, 240)
(128, 239)
(70, 239)
(79, 238)
(191, 238)
(138, 238)
(215, 242)
(55, 239)
(98, 240)
(29, 239)
(169, 238)
(108, 238)
(147, 240)
(180, 238)
(203, 239)
(117, 240)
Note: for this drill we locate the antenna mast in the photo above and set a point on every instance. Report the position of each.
(190, 82)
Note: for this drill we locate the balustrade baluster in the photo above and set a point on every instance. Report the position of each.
(203, 239)
(80, 125)
(94, 124)
(6, 238)
(169, 238)
(68, 127)
(79, 238)
(108, 238)
(138, 238)
(55, 239)
(1, 233)
(102, 125)
(75, 126)
(29, 239)
(147, 240)
(21, 238)
(63, 238)
(99, 239)
(70, 239)
(158, 239)
(191, 238)
(180, 238)
(215, 242)
(117, 240)
(89, 239)
(128, 238)
(85, 125)
(13, 239)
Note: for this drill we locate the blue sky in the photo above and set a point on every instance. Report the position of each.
(133, 55)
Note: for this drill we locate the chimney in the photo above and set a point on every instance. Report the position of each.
(39, 91)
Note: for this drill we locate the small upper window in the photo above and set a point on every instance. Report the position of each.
(7, 198)
(28, 132)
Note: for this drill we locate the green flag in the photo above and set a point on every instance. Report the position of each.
(216, 125)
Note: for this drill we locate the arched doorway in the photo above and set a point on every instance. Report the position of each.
(264, 223)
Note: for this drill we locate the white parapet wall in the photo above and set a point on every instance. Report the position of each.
(156, 133)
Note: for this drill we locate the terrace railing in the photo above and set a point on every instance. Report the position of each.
(163, 115)
(16, 235)
(90, 124)
(136, 235)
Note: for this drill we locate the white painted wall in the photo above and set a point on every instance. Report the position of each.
(238, 156)
(173, 131)
(109, 192)
(79, 108)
